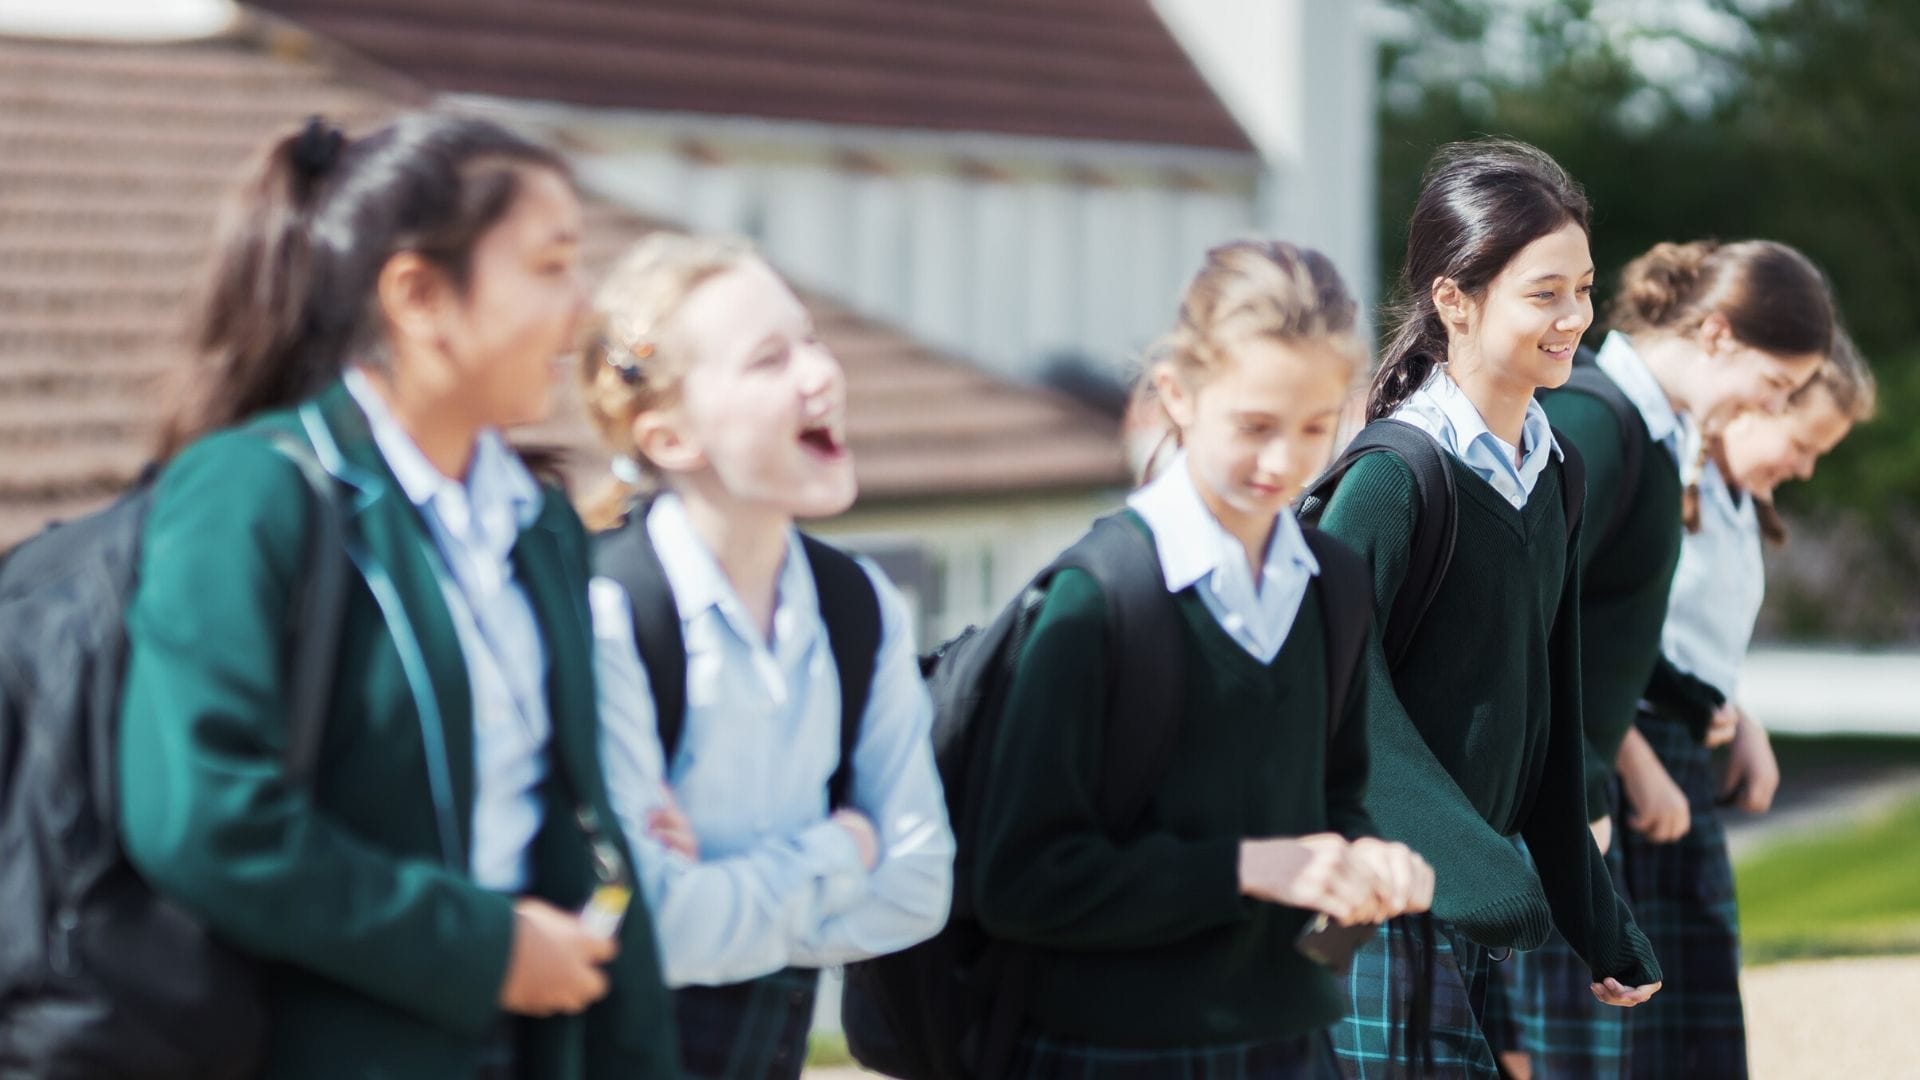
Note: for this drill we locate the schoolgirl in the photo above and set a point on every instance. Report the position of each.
(1675, 849)
(706, 377)
(1700, 330)
(1480, 739)
(411, 292)
(1167, 948)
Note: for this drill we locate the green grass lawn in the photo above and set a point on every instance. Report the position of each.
(1848, 892)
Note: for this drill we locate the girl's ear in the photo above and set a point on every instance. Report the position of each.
(1174, 397)
(1716, 334)
(660, 436)
(412, 293)
(1450, 302)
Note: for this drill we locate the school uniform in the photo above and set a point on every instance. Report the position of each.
(1146, 960)
(778, 890)
(1481, 740)
(1543, 1004)
(460, 747)
(1683, 891)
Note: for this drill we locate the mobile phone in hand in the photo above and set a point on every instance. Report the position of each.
(1330, 944)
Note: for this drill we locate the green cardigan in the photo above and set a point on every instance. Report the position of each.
(1481, 738)
(1143, 939)
(384, 961)
(1623, 587)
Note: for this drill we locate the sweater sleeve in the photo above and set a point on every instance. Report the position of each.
(1347, 756)
(1586, 909)
(1046, 870)
(1483, 884)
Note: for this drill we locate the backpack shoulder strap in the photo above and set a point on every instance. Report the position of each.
(1573, 482)
(318, 616)
(1434, 529)
(1146, 679)
(625, 554)
(1587, 378)
(851, 609)
(1346, 601)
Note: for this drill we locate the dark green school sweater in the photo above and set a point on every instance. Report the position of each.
(1481, 738)
(1144, 939)
(1624, 586)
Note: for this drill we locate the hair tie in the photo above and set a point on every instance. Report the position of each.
(627, 470)
(317, 148)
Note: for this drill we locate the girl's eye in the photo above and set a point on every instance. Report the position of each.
(769, 360)
(1586, 290)
(1254, 428)
(1543, 296)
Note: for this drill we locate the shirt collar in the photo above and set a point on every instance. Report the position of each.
(1461, 424)
(1622, 363)
(500, 497)
(699, 584)
(1191, 542)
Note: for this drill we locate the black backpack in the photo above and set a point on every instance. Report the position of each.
(1435, 527)
(848, 606)
(1588, 379)
(951, 1008)
(99, 975)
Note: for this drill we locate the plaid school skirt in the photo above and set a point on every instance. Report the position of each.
(755, 1030)
(1370, 1042)
(1540, 1003)
(1308, 1057)
(1683, 900)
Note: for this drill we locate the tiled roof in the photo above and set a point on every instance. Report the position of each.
(113, 159)
(1078, 69)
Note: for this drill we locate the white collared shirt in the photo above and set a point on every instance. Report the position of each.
(1622, 363)
(1441, 409)
(1717, 588)
(777, 883)
(1196, 550)
(475, 526)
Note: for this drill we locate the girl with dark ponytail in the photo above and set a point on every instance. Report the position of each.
(1479, 742)
(1700, 331)
(389, 304)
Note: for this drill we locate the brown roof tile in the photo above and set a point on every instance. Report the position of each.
(1084, 69)
(112, 161)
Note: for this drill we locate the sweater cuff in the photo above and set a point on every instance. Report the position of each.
(1215, 873)
(1636, 965)
(1511, 922)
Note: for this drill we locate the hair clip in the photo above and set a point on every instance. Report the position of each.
(628, 360)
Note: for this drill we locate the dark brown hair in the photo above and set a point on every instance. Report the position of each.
(289, 296)
(1482, 202)
(1773, 297)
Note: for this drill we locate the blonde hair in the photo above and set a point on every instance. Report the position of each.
(1253, 290)
(635, 361)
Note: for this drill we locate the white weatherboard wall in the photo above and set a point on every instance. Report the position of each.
(117, 20)
(1299, 77)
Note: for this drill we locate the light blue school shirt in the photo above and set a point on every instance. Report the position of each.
(475, 526)
(1717, 588)
(777, 884)
(1622, 363)
(1196, 550)
(1441, 409)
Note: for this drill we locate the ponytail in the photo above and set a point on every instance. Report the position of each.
(289, 294)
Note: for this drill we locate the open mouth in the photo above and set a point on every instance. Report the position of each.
(1559, 352)
(824, 439)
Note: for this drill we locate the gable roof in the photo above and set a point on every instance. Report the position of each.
(113, 159)
(1075, 69)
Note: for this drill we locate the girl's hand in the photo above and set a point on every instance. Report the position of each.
(1753, 773)
(1726, 723)
(554, 965)
(671, 826)
(1405, 879)
(1316, 872)
(1659, 808)
(860, 827)
(1602, 833)
(1613, 992)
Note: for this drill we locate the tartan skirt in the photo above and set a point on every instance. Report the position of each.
(1370, 1042)
(1540, 1003)
(1307, 1057)
(754, 1030)
(1683, 900)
